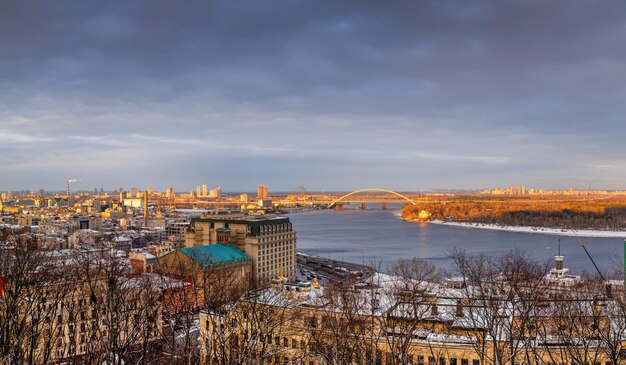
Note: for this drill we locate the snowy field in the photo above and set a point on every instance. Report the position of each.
(553, 231)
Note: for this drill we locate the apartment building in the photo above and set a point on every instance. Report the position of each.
(269, 240)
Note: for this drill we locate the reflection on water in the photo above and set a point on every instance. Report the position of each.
(381, 236)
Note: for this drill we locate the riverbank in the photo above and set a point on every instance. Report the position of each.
(541, 230)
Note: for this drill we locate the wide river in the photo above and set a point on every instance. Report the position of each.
(381, 236)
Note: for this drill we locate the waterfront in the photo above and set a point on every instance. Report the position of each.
(380, 235)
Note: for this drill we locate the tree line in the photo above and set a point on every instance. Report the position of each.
(606, 214)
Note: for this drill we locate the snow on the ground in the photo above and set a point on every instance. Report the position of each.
(554, 231)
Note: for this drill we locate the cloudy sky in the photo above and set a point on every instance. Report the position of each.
(334, 95)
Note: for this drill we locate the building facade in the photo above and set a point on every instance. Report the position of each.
(270, 241)
(312, 329)
(262, 192)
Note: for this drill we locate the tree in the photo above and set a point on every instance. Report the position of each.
(503, 293)
(409, 292)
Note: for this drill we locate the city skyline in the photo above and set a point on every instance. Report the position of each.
(406, 96)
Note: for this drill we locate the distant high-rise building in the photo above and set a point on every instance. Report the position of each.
(215, 193)
(243, 198)
(204, 190)
(169, 192)
(134, 193)
(198, 191)
(149, 190)
(261, 192)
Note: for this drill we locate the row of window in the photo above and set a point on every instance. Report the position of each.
(275, 228)
(373, 357)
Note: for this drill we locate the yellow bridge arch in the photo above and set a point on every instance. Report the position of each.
(372, 189)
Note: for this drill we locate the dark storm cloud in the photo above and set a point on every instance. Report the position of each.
(335, 95)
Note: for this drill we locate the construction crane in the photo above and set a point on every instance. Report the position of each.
(609, 293)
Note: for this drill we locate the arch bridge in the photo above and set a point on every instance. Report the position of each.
(352, 198)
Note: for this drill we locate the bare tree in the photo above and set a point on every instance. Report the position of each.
(30, 296)
(409, 294)
(504, 292)
(341, 326)
(119, 312)
(259, 328)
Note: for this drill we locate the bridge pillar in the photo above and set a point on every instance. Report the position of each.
(384, 205)
(338, 206)
(362, 205)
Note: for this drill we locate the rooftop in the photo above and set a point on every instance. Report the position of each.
(214, 254)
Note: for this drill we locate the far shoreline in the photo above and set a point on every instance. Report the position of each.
(539, 230)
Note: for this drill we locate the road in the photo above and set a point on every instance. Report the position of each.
(331, 271)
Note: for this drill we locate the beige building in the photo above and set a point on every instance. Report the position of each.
(308, 327)
(201, 263)
(270, 241)
(262, 192)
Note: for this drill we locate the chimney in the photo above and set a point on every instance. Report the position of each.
(434, 309)
(459, 308)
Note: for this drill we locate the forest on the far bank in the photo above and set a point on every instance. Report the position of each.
(596, 214)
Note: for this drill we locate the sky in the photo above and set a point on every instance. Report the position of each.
(331, 95)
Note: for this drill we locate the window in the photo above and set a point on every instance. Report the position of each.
(431, 360)
(442, 361)
(475, 362)
(452, 361)
(464, 362)
(388, 358)
(420, 360)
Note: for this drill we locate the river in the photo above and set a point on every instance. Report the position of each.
(375, 235)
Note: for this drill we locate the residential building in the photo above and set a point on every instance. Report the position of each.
(269, 240)
(379, 325)
(200, 264)
(176, 229)
(215, 193)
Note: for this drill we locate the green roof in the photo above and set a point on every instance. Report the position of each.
(214, 254)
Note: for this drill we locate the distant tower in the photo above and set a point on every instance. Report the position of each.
(67, 191)
(204, 190)
(145, 209)
(261, 192)
(198, 191)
